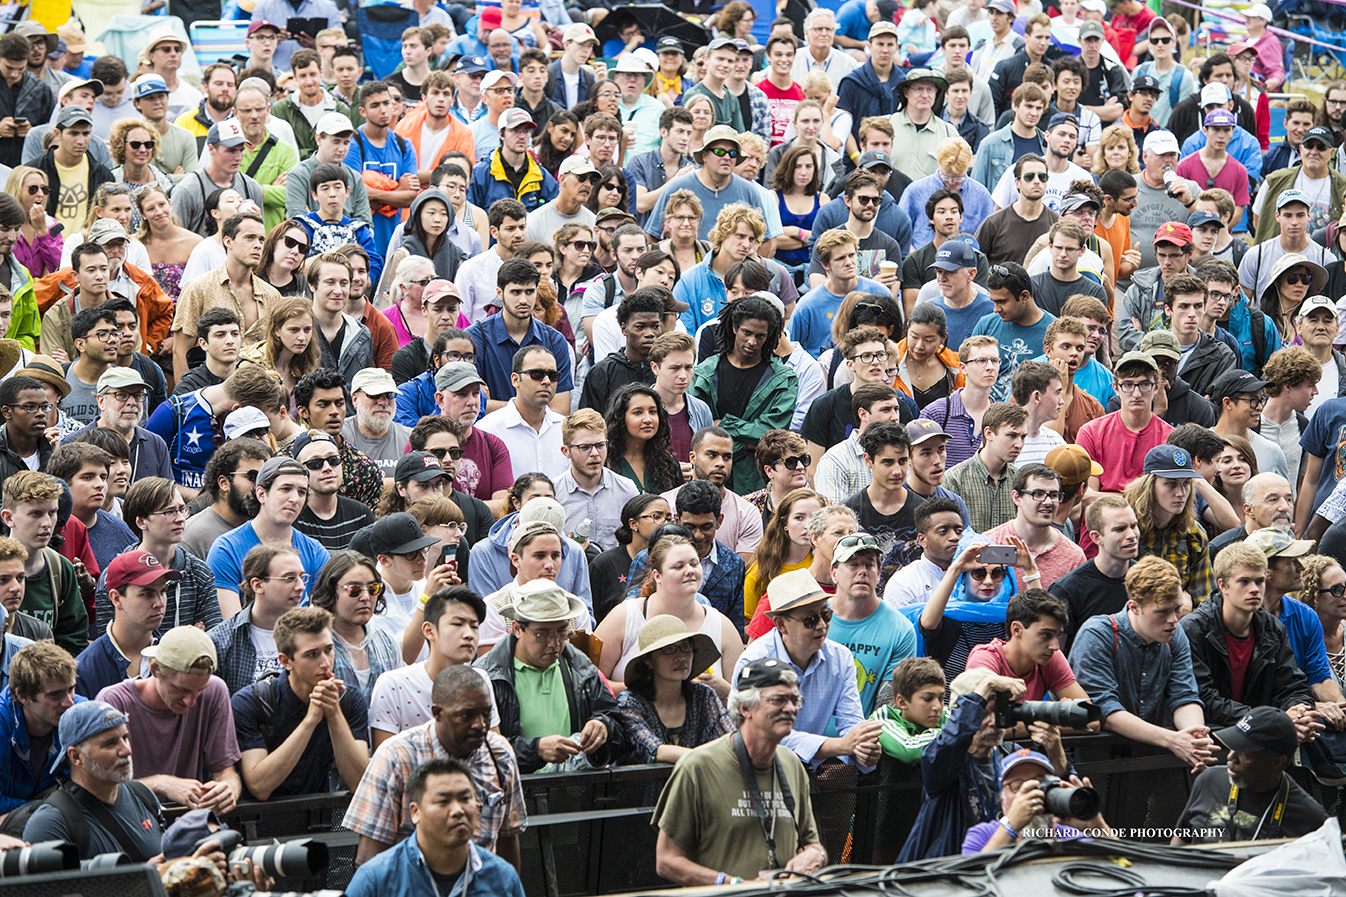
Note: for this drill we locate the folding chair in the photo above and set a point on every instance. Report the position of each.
(218, 40)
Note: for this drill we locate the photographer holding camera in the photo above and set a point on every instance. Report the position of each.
(1034, 802)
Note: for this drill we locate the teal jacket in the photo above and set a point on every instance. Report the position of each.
(26, 324)
(771, 407)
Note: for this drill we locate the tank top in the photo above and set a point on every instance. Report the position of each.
(790, 219)
(635, 618)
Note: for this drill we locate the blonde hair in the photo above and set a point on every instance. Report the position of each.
(29, 487)
(1111, 137)
(954, 155)
(833, 240)
(730, 217)
(14, 186)
(749, 140)
(117, 139)
(1238, 554)
(584, 419)
(1140, 495)
(1153, 580)
(816, 80)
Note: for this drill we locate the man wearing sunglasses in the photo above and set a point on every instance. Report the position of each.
(1315, 175)
(530, 430)
(576, 180)
(329, 518)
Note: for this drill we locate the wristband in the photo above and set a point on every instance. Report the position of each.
(855, 156)
(1006, 826)
(425, 599)
(1034, 576)
(719, 878)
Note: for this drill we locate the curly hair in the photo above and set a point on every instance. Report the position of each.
(729, 219)
(1152, 580)
(662, 471)
(774, 549)
(117, 140)
(1117, 134)
(1290, 366)
(1315, 567)
(749, 308)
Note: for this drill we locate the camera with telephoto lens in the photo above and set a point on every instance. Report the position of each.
(1060, 798)
(105, 861)
(301, 858)
(44, 856)
(1065, 714)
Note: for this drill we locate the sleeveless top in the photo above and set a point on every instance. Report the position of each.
(790, 219)
(635, 618)
(169, 276)
(525, 36)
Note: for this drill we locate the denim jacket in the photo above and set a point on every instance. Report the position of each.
(995, 156)
(1121, 672)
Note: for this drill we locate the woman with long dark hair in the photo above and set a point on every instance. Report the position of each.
(927, 369)
(351, 590)
(612, 191)
(547, 310)
(639, 439)
(798, 186)
(557, 140)
(575, 244)
(608, 572)
(428, 222)
(283, 255)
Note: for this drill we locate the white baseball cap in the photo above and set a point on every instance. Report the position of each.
(1161, 142)
(1258, 11)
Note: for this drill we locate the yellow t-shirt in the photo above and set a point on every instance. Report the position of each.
(750, 582)
(72, 196)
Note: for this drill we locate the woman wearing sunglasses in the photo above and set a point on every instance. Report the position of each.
(350, 588)
(37, 249)
(110, 201)
(670, 588)
(1293, 278)
(968, 606)
(667, 713)
(785, 547)
(608, 572)
(168, 243)
(1325, 591)
(639, 439)
(134, 144)
(288, 348)
(283, 255)
(612, 191)
(576, 244)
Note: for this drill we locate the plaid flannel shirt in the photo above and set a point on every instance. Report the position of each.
(380, 807)
(1189, 552)
(988, 499)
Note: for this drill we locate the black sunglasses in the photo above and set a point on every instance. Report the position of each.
(538, 375)
(582, 245)
(291, 242)
(140, 144)
(317, 464)
(811, 621)
(454, 453)
(794, 462)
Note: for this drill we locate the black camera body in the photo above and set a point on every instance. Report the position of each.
(1060, 798)
(1065, 714)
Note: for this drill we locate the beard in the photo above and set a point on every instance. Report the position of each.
(118, 773)
(218, 106)
(378, 425)
(236, 502)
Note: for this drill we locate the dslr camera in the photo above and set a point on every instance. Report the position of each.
(301, 858)
(54, 856)
(1063, 714)
(1060, 798)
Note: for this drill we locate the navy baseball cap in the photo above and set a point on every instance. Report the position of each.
(1197, 219)
(1063, 118)
(1145, 82)
(471, 64)
(1170, 462)
(953, 255)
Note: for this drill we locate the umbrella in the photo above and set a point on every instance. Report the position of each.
(656, 21)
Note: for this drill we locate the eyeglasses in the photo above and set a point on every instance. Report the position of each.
(1031, 176)
(1297, 279)
(983, 362)
(549, 635)
(684, 219)
(812, 620)
(454, 453)
(420, 283)
(355, 589)
(140, 144)
(779, 701)
(1218, 296)
(584, 245)
(469, 357)
(1143, 387)
(35, 189)
(292, 243)
(179, 511)
(123, 396)
(997, 574)
(1042, 495)
(1336, 591)
(1254, 401)
(27, 408)
(722, 151)
(103, 336)
(588, 448)
(680, 648)
(656, 516)
(501, 91)
(537, 375)
(291, 579)
(794, 462)
(866, 200)
(317, 464)
(870, 357)
(249, 475)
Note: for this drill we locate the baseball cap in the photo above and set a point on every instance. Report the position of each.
(922, 428)
(1007, 6)
(1232, 384)
(882, 26)
(576, 164)
(720, 43)
(614, 212)
(455, 375)
(87, 719)
(70, 87)
(1072, 201)
(1200, 219)
(229, 132)
(1063, 118)
(117, 377)
(438, 289)
(1161, 143)
(147, 85)
(1274, 543)
(307, 438)
(1239, 47)
(334, 123)
(850, 545)
(399, 534)
(1090, 29)
(1024, 756)
(1215, 93)
(245, 420)
(669, 45)
(1146, 82)
(1258, 11)
(583, 34)
(1321, 135)
(491, 17)
(533, 528)
(516, 118)
(1134, 357)
(1161, 343)
(1174, 232)
(762, 673)
(182, 647)
(872, 158)
(953, 255)
(1291, 195)
(1315, 302)
(741, 45)
(1170, 462)
(73, 115)
(1094, 6)
(280, 464)
(474, 64)
(492, 78)
(258, 24)
(1220, 118)
(373, 382)
(419, 466)
(1073, 464)
(1262, 728)
(106, 230)
(138, 568)
(887, 9)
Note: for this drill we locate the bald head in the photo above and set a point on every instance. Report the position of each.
(454, 684)
(1268, 501)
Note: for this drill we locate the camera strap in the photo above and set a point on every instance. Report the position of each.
(1272, 816)
(114, 826)
(759, 804)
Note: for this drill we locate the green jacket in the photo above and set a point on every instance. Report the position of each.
(26, 324)
(288, 110)
(1277, 183)
(278, 160)
(771, 407)
(902, 739)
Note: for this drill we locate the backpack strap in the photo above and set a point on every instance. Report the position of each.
(1174, 85)
(265, 691)
(76, 826)
(56, 573)
(609, 289)
(256, 164)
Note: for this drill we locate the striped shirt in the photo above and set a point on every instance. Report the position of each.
(335, 534)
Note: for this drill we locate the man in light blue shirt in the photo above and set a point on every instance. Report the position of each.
(811, 324)
(635, 106)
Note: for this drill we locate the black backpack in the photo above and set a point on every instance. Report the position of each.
(75, 804)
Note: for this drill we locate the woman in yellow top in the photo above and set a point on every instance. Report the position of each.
(785, 545)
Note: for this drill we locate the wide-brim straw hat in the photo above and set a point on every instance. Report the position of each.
(665, 629)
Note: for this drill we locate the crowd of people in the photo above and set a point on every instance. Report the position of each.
(774, 411)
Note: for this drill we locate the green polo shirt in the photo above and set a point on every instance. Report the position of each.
(543, 708)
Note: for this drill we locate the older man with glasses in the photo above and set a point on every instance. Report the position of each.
(120, 394)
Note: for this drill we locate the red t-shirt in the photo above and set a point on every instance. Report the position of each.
(1233, 177)
(1121, 452)
(484, 468)
(680, 425)
(1055, 676)
(782, 103)
(1240, 653)
(1138, 23)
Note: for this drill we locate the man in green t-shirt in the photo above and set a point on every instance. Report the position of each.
(712, 826)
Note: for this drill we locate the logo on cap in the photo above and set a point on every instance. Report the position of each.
(1179, 458)
(429, 461)
(1245, 724)
(149, 560)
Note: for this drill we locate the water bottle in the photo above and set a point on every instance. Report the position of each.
(581, 534)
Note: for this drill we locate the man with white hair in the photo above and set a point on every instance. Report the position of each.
(1268, 501)
(705, 837)
(268, 156)
(371, 428)
(1160, 199)
(120, 394)
(818, 53)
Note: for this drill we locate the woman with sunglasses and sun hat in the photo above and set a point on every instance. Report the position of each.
(667, 712)
(1325, 591)
(785, 547)
(37, 249)
(608, 573)
(113, 201)
(1293, 278)
(350, 588)
(168, 243)
(671, 584)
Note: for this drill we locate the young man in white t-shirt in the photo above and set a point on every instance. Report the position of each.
(1037, 388)
(401, 698)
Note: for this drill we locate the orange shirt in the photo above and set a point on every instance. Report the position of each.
(1119, 238)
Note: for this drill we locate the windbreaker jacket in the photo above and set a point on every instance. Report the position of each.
(35, 103)
(586, 692)
(489, 183)
(952, 371)
(357, 350)
(16, 771)
(26, 323)
(771, 407)
(459, 138)
(1209, 359)
(862, 94)
(153, 307)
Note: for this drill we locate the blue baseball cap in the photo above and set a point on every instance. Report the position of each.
(1063, 118)
(1170, 462)
(953, 255)
(1292, 195)
(471, 64)
(1197, 219)
(147, 85)
(1024, 755)
(82, 722)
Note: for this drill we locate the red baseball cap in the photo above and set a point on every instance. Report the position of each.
(1173, 232)
(138, 568)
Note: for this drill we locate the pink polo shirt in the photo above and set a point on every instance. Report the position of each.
(1121, 452)
(1054, 563)
(1053, 677)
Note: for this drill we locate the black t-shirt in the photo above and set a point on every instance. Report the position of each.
(607, 580)
(142, 826)
(896, 533)
(335, 534)
(411, 91)
(1103, 83)
(830, 419)
(1205, 819)
(478, 519)
(1087, 593)
(410, 361)
(737, 386)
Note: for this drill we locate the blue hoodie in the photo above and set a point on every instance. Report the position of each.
(863, 95)
(16, 772)
(1241, 328)
(488, 569)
